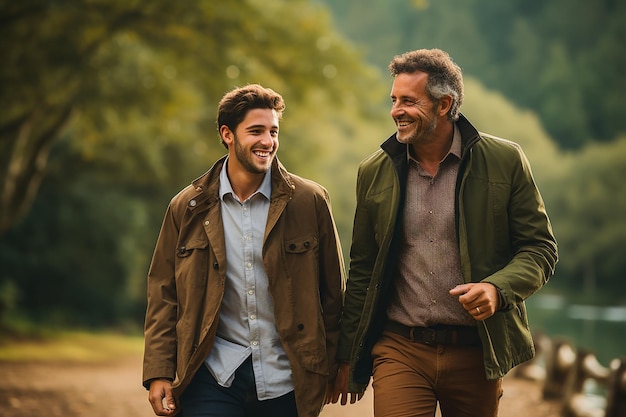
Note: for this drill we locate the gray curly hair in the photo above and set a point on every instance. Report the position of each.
(445, 77)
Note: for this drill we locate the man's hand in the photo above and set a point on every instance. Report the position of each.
(161, 397)
(341, 386)
(479, 299)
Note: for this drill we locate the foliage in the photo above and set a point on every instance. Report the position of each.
(584, 192)
(67, 257)
(124, 106)
(567, 70)
(131, 91)
(563, 77)
(492, 113)
(590, 199)
(158, 68)
(72, 347)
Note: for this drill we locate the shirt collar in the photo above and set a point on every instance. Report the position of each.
(264, 189)
(455, 149)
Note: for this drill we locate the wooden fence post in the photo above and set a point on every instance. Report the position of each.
(575, 402)
(559, 361)
(566, 372)
(616, 395)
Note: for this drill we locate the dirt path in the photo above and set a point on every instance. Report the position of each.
(73, 389)
(113, 389)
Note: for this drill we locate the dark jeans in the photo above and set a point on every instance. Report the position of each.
(206, 398)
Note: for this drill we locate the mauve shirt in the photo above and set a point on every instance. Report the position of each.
(428, 264)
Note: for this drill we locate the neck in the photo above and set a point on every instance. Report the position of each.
(433, 151)
(429, 154)
(244, 183)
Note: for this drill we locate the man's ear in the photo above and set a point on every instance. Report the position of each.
(445, 103)
(226, 134)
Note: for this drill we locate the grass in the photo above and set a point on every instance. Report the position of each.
(71, 346)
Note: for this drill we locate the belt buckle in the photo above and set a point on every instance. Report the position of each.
(425, 335)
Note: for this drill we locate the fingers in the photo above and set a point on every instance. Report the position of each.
(460, 289)
(344, 395)
(480, 300)
(161, 398)
(169, 403)
(328, 397)
(355, 396)
(351, 397)
(480, 313)
(332, 395)
(341, 392)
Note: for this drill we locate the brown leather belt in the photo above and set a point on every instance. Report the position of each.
(437, 335)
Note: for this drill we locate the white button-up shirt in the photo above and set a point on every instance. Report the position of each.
(247, 325)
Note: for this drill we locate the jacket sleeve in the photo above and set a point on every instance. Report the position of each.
(332, 280)
(533, 245)
(363, 255)
(160, 322)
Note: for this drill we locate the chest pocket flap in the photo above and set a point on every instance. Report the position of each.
(185, 249)
(301, 244)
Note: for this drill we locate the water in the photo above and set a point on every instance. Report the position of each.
(599, 329)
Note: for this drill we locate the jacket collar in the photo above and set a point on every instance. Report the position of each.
(469, 137)
(206, 188)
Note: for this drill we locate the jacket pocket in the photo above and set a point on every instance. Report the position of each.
(315, 362)
(302, 267)
(192, 259)
(186, 249)
(301, 245)
(302, 260)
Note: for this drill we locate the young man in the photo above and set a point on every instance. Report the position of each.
(245, 288)
(450, 237)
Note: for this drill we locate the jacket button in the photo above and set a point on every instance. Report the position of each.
(300, 326)
(192, 203)
(292, 246)
(307, 244)
(216, 265)
(182, 250)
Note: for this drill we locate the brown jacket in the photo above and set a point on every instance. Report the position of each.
(304, 265)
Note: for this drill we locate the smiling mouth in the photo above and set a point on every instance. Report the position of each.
(403, 123)
(263, 154)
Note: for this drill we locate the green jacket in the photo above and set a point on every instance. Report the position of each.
(305, 271)
(504, 237)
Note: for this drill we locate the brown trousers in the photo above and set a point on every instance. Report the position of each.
(410, 378)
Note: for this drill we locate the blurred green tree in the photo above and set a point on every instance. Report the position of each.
(122, 95)
(589, 195)
(113, 63)
(567, 70)
(583, 191)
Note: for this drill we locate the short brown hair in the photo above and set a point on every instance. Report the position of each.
(235, 104)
